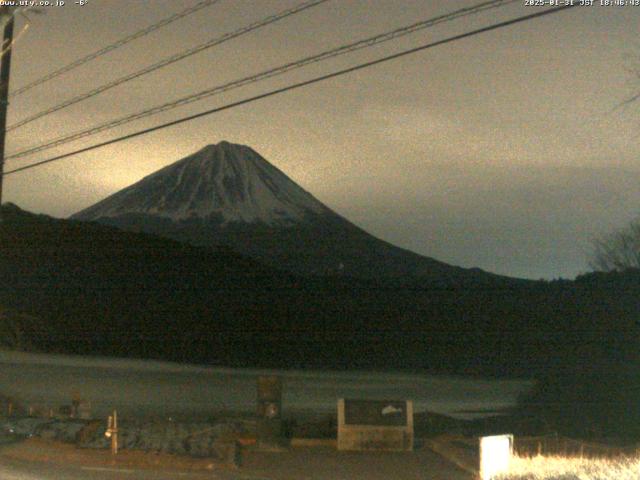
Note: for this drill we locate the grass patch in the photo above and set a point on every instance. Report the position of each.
(572, 468)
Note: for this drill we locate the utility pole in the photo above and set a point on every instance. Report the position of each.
(5, 67)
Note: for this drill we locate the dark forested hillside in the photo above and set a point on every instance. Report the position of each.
(103, 291)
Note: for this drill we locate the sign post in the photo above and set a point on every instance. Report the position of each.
(269, 427)
(112, 432)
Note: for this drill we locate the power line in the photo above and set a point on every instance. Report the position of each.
(123, 41)
(294, 86)
(170, 60)
(368, 42)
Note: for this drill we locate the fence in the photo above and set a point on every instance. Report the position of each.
(567, 447)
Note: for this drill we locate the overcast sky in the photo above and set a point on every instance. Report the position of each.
(503, 151)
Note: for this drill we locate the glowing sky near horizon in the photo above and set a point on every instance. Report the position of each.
(503, 151)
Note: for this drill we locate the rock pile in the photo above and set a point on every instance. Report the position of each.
(217, 440)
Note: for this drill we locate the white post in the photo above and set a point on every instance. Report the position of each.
(495, 455)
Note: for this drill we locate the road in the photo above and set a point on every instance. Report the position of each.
(291, 464)
(14, 469)
(36, 460)
(160, 389)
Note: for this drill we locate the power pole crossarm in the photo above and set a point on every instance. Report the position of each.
(5, 67)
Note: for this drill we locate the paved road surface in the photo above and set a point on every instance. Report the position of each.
(13, 469)
(160, 389)
(328, 464)
(294, 464)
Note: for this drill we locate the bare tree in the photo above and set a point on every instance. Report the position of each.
(619, 250)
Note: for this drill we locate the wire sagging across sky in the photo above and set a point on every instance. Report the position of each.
(264, 75)
(314, 80)
(170, 60)
(123, 41)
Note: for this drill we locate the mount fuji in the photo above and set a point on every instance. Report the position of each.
(227, 195)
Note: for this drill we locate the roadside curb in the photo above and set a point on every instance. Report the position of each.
(448, 453)
(55, 452)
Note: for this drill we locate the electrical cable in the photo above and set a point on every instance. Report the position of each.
(123, 41)
(366, 43)
(294, 86)
(168, 61)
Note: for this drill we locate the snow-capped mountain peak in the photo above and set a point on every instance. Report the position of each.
(226, 181)
(227, 195)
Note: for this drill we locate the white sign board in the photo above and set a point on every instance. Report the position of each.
(383, 425)
(495, 455)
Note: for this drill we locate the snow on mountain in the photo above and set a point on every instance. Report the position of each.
(226, 181)
(228, 195)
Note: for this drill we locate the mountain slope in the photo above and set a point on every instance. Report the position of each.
(227, 194)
